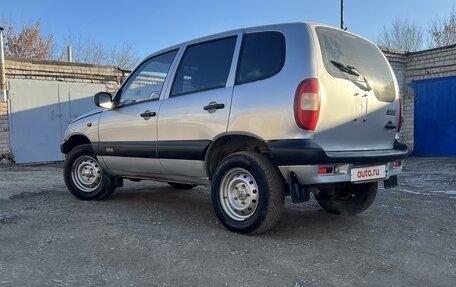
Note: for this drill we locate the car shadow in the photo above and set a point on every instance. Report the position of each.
(303, 220)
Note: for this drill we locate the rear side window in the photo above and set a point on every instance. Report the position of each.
(262, 56)
(204, 66)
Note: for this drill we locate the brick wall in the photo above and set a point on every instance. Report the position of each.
(398, 61)
(4, 134)
(433, 63)
(17, 68)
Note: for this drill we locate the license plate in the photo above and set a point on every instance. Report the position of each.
(368, 173)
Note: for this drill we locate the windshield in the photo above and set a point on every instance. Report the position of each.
(365, 57)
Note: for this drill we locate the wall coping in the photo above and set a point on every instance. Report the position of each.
(408, 53)
(393, 51)
(433, 49)
(62, 63)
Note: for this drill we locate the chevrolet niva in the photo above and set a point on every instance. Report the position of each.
(257, 113)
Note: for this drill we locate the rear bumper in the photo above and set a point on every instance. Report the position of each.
(304, 157)
(307, 152)
(308, 174)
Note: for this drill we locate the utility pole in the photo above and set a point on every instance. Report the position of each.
(2, 69)
(342, 14)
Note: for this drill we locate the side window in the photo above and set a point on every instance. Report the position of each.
(262, 56)
(147, 81)
(204, 66)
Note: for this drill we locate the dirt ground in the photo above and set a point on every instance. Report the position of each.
(148, 234)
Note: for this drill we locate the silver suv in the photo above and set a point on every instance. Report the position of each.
(257, 113)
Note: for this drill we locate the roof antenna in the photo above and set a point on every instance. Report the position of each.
(342, 16)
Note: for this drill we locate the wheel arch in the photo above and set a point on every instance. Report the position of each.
(227, 144)
(74, 141)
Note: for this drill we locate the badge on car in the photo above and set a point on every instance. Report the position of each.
(368, 173)
(391, 112)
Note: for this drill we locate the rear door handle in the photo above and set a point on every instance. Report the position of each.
(148, 114)
(390, 126)
(213, 106)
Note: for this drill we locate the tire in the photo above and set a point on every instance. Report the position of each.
(247, 193)
(95, 184)
(181, 185)
(349, 199)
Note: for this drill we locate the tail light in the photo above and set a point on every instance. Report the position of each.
(325, 170)
(307, 104)
(399, 125)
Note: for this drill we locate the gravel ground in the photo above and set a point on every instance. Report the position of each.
(148, 234)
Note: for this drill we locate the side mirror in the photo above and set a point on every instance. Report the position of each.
(103, 100)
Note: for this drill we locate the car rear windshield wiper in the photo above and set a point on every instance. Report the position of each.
(352, 71)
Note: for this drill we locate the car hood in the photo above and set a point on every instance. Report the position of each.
(88, 114)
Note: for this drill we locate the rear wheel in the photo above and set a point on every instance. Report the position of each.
(247, 193)
(83, 175)
(348, 199)
(181, 185)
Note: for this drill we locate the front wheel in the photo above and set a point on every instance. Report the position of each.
(83, 175)
(348, 199)
(247, 193)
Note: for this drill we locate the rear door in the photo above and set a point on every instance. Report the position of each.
(198, 105)
(352, 116)
(128, 133)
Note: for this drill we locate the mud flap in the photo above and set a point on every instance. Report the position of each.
(112, 181)
(391, 182)
(299, 193)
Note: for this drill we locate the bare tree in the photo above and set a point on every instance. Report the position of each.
(29, 42)
(87, 50)
(401, 35)
(123, 56)
(443, 31)
(84, 49)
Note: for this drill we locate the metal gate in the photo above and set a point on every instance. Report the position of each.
(40, 111)
(435, 117)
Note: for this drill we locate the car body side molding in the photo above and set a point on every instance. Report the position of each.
(186, 149)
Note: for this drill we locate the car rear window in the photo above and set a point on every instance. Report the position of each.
(359, 53)
(204, 66)
(262, 56)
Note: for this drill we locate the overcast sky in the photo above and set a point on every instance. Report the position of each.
(152, 25)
